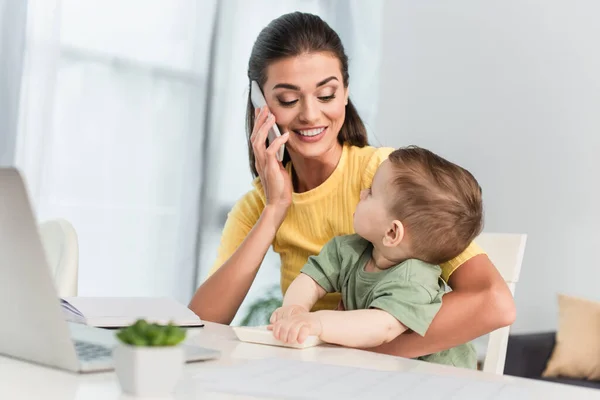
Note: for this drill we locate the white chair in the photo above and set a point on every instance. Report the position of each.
(506, 251)
(59, 240)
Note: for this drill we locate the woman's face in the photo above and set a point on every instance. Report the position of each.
(307, 96)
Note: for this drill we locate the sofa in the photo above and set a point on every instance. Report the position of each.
(527, 355)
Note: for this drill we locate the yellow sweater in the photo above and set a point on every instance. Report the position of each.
(315, 217)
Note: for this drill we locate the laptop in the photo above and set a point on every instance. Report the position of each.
(33, 326)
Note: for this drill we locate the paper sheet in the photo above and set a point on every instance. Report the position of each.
(292, 379)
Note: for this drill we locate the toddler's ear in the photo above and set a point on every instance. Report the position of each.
(394, 234)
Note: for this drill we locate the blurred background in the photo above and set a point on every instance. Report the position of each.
(127, 118)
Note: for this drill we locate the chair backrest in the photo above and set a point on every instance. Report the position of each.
(506, 251)
(62, 252)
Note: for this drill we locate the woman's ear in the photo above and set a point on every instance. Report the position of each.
(346, 95)
(394, 235)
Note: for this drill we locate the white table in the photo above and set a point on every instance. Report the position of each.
(21, 380)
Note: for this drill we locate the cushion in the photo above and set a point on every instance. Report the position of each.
(577, 350)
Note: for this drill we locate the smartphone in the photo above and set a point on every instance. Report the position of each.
(258, 101)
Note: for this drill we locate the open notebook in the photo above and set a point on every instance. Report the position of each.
(114, 312)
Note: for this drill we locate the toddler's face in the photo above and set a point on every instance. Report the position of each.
(372, 217)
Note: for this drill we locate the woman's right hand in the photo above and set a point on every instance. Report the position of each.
(275, 180)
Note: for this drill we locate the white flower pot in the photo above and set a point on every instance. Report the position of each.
(148, 371)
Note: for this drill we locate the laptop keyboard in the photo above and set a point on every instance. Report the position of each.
(89, 351)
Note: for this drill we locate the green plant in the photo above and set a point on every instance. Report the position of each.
(141, 333)
(260, 311)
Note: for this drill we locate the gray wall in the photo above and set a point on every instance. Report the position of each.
(510, 90)
(12, 41)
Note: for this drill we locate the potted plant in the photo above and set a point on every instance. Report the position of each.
(149, 361)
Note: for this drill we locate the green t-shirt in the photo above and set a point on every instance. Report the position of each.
(410, 291)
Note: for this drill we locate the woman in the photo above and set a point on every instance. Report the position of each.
(301, 203)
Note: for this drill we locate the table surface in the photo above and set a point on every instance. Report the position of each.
(22, 380)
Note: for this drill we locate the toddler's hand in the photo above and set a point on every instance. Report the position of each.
(286, 312)
(297, 328)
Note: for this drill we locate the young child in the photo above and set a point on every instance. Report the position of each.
(421, 210)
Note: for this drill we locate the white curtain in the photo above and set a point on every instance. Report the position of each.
(357, 22)
(12, 41)
(111, 131)
(113, 116)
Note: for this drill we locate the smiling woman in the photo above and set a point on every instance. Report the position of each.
(298, 205)
(309, 107)
(305, 80)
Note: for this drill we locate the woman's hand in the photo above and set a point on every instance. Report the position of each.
(275, 180)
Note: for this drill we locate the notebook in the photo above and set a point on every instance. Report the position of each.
(116, 312)
(261, 335)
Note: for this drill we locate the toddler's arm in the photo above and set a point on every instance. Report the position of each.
(304, 291)
(359, 328)
(302, 294)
